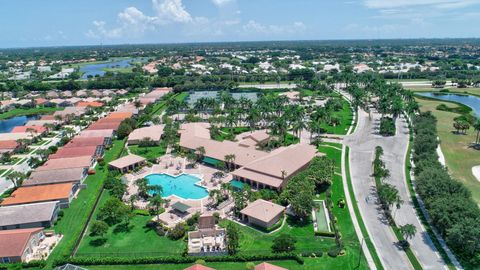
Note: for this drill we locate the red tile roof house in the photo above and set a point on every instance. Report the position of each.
(63, 193)
(89, 104)
(18, 245)
(105, 125)
(75, 152)
(8, 146)
(67, 163)
(36, 130)
(106, 134)
(91, 141)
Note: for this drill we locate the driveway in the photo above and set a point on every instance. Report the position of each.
(362, 144)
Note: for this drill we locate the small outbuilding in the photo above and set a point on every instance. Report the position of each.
(127, 163)
(262, 213)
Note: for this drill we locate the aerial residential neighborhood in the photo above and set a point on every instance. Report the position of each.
(239, 135)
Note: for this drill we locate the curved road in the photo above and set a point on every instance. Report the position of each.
(362, 144)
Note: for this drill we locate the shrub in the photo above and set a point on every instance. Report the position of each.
(177, 232)
(387, 126)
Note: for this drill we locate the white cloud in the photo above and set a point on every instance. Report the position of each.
(220, 3)
(171, 11)
(132, 22)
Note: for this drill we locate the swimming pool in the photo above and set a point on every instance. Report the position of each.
(182, 186)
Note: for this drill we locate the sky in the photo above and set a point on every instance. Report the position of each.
(32, 23)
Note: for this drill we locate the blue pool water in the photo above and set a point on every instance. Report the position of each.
(182, 186)
(468, 100)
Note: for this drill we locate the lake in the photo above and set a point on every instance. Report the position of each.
(467, 100)
(8, 124)
(96, 69)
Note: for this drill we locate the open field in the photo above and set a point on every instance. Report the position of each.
(460, 158)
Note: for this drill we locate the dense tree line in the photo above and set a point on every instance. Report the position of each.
(449, 203)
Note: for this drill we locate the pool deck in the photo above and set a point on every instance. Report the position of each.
(175, 166)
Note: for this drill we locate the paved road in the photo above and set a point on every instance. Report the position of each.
(22, 165)
(362, 144)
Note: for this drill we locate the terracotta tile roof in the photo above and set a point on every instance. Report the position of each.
(74, 152)
(22, 129)
(105, 133)
(199, 267)
(89, 104)
(14, 242)
(85, 141)
(98, 126)
(262, 210)
(66, 163)
(267, 266)
(10, 145)
(45, 193)
(120, 115)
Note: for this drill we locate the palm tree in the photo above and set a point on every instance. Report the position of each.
(408, 231)
(16, 178)
(476, 126)
(133, 198)
(155, 203)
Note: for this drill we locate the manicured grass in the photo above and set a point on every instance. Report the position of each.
(76, 216)
(139, 240)
(227, 133)
(368, 241)
(150, 152)
(346, 119)
(32, 111)
(455, 147)
(452, 90)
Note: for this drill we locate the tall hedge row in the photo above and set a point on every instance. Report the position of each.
(448, 202)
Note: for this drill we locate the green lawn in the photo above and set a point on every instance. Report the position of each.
(75, 217)
(151, 152)
(32, 111)
(138, 240)
(473, 90)
(455, 146)
(346, 119)
(226, 133)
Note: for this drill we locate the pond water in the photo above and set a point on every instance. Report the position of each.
(96, 69)
(467, 100)
(8, 124)
(183, 186)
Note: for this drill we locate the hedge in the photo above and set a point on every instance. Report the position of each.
(31, 264)
(177, 259)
